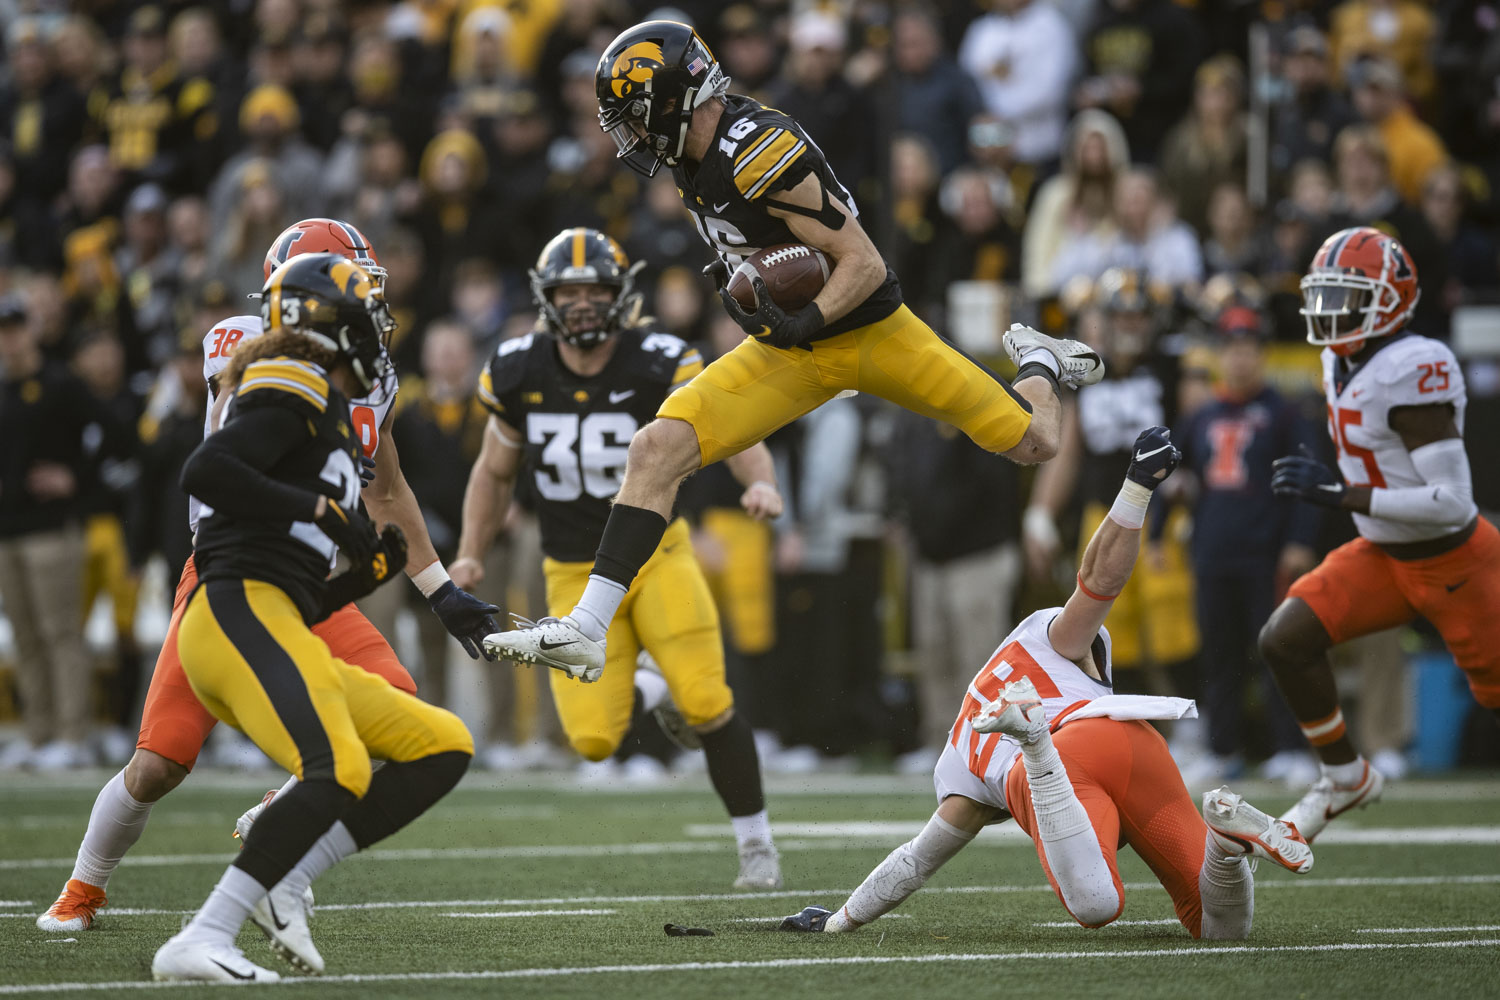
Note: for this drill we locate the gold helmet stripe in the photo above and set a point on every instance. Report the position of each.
(579, 247)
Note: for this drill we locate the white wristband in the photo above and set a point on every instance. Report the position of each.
(763, 482)
(1037, 525)
(430, 577)
(1129, 510)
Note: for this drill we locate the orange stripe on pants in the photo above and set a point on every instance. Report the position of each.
(1131, 788)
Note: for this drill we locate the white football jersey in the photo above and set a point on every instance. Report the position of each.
(367, 413)
(1409, 371)
(975, 765)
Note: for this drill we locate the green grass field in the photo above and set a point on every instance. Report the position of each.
(540, 887)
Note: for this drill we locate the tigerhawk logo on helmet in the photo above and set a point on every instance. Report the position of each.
(1361, 285)
(635, 65)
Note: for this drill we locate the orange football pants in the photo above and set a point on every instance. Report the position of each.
(175, 724)
(1359, 589)
(1129, 785)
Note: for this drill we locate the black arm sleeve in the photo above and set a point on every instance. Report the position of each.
(227, 469)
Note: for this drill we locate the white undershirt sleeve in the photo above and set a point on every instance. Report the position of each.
(1447, 497)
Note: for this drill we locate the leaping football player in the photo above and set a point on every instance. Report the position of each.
(752, 178)
(565, 402)
(1396, 414)
(174, 724)
(279, 486)
(1041, 739)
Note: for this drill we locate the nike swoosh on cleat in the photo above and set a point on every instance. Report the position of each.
(544, 644)
(1453, 587)
(247, 976)
(1139, 457)
(275, 918)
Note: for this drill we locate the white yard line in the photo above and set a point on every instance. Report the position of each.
(1008, 834)
(533, 913)
(16, 902)
(1427, 930)
(1194, 952)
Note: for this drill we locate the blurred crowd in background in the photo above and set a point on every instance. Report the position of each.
(1150, 175)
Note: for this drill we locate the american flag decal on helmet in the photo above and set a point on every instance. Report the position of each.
(696, 66)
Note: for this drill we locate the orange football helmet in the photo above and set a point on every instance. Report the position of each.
(324, 236)
(1362, 284)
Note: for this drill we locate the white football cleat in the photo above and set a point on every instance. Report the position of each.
(242, 830)
(1240, 828)
(1325, 800)
(553, 642)
(280, 915)
(760, 867)
(206, 962)
(1017, 712)
(1080, 363)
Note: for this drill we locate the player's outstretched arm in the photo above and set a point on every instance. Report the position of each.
(859, 268)
(1112, 552)
(391, 501)
(755, 469)
(486, 500)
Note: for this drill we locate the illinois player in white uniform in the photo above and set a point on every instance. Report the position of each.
(1396, 413)
(174, 724)
(1105, 778)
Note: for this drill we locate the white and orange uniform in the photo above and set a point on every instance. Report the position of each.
(173, 722)
(1118, 765)
(1445, 568)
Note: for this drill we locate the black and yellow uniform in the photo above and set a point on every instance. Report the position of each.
(244, 639)
(880, 347)
(574, 431)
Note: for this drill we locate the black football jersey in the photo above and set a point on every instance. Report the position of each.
(576, 430)
(294, 555)
(757, 152)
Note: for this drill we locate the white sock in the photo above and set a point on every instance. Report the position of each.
(903, 872)
(596, 608)
(227, 908)
(1227, 890)
(327, 851)
(1040, 357)
(752, 829)
(291, 782)
(1348, 774)
(1067, 837)
(653, 689)
(116, 823)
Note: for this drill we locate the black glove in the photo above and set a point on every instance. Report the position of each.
(1154, 458)
(717, 272)
(810, 919)
(366, 471)
(770, 324)
(466, 617)
(387, 557)
(350, 530)
(1304, 477)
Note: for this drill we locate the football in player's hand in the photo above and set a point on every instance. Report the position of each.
(794, 274)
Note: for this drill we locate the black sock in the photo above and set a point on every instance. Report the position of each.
(1033, 368)
(290, 825)
(734, 766)
(631, 535)
(400, 792)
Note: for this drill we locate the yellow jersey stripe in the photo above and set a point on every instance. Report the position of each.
(487, 391)
(755, 147)
(292, 371)
(776, 168)
(254, 385)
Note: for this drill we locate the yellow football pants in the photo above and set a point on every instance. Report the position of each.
(669, 611)
(254, 664)
(744, 586)
(1154, 620)
(746, 394)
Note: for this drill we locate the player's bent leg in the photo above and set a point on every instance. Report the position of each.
(906, 869)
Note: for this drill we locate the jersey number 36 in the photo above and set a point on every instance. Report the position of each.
(579, 455)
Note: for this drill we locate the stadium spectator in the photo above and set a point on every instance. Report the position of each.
(914, 210)
(270, 122)
(147, 117)
(1145, 235)
(1412, 148)
(1207, 148)
(158, 518)
(979, 234)
(662, 235)
(746, 48)
(188, 236)
(323, 92)
(1024, 56)
(210, 84)
(1312, 112)
(41, 116)
(1469, 252)
(255, 219)
(1399, 30)
(149, 273)
(453, 220)
(1247, 547)
(1077, 201)
(960, 507)
(1139, 59)
(936, 98)
(41, 546)
(482, 75)
(1233, 243)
